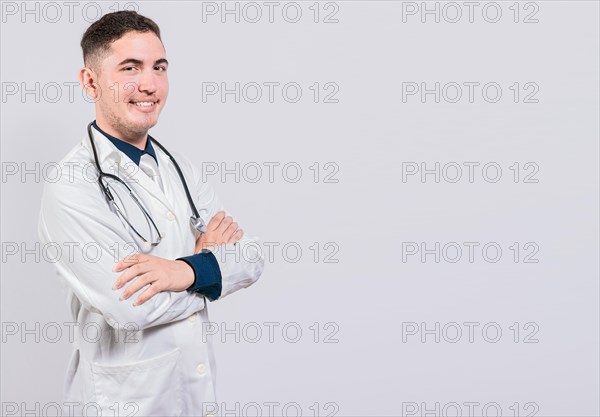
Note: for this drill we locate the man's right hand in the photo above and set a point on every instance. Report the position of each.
(220, 230)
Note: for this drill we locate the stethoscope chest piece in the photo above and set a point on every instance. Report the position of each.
(198, 224)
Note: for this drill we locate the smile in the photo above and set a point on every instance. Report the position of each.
(144, 103)
(144, 106)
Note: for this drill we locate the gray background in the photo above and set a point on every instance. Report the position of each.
(368, 213)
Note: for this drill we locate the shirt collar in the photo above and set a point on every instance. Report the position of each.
(135, 154)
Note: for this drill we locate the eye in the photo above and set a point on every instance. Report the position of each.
(128, 68)
(160, 67)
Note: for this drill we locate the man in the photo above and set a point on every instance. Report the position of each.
(139, 347)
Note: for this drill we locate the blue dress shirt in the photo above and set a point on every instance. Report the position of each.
(207, 274)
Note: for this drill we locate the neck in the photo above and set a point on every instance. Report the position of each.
(137, 140)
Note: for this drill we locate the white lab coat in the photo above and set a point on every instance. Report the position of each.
(152, 359)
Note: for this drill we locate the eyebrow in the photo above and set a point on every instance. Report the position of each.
(140, 63)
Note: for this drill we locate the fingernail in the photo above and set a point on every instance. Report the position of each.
(135, 303)
(121, 297)
(114, 287)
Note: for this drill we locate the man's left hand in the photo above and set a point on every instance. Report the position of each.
(162, 275)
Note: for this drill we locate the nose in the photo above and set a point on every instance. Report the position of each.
(147, 82)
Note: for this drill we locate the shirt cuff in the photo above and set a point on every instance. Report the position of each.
(207, 274)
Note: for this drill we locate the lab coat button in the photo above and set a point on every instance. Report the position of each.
(192, 318)
(201, 369)
(170, 216)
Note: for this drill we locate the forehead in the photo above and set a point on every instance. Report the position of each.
(144, 46)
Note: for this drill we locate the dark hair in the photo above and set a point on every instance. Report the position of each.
(96, 40)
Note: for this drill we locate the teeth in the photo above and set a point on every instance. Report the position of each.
(144, 103)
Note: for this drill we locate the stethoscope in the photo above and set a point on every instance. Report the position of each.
(195, 220)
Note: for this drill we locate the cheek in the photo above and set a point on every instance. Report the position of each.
(127, 91)
(109, 95)
(119, 91)
(164, 85)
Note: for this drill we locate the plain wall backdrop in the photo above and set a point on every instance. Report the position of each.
(368, 321)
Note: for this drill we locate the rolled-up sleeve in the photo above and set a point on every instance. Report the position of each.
(207, 274)
(241, 264)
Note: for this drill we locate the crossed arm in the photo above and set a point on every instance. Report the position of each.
(171, 275)
(65, 222)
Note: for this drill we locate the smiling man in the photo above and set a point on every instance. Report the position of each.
(138, 273)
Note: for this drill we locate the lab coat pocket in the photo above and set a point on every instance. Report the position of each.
(151, 387)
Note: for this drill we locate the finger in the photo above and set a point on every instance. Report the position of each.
(214, 223)
(150, 292)
(129, 260)
(236, 236)
(229, 232)
(130, 273)
(224, 225)
(136, 285)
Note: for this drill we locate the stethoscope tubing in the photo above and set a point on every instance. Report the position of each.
(109, 196)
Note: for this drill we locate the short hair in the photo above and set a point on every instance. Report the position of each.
(96, 40)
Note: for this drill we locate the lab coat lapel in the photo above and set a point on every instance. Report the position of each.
(115, 162)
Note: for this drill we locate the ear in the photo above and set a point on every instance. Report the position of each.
(88, 80)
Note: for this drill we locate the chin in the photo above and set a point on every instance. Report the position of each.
(144, 124)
